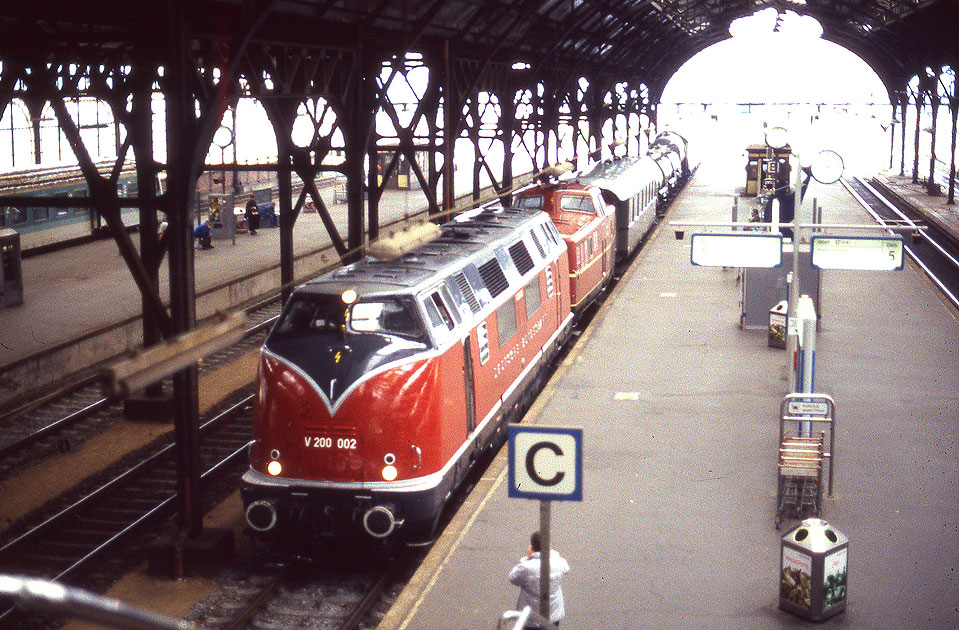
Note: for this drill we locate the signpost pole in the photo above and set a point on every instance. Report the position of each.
(544, 554)
(792, 345)
(546, 464)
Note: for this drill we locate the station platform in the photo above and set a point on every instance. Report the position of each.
(81, 305)
(679, 408)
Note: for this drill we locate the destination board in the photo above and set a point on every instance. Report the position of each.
(857, 253)
(737, 250)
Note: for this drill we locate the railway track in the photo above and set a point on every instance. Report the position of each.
(341, 592)
(57, 422)
(133, 498)
(931, 250)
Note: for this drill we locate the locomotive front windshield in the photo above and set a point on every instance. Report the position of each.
(577, 203)
(388, 317)
(321, 314)
(531, 202)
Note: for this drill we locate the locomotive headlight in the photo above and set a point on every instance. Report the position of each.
(389, 473)
(274, 468)
(349, 296)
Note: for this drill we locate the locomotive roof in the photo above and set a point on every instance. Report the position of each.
(472, 237)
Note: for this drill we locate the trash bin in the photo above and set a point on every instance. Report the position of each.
(812, 576)
(777, 325)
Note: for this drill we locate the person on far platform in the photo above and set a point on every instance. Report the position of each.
(204, 234)
(252, 215)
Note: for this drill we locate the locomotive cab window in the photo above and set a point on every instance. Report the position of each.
(441, 317)
(532, 202)
(577, 203)
(325, 314)
(388, 317)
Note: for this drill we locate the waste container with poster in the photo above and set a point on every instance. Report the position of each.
(812, 575)
(777, 325)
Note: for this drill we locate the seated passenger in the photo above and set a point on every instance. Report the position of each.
(204, 232)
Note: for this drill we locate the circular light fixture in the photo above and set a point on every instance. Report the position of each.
(827, 167)
(223, 137)
(390, 473)
(349, 296)
(274, 468)
(777, 137)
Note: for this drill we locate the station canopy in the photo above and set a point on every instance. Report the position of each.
(648, 39)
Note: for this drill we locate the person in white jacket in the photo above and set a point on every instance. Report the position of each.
(526, 574)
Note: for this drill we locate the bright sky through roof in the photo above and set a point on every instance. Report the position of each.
(792, 64)
(772, 59)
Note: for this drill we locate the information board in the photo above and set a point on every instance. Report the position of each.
(865, 253)
(737, 250)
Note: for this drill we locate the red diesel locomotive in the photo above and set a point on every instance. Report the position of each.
(604, 214)
(587, 225)
(384, 381)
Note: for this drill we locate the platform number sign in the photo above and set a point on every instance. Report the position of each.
(545, 463)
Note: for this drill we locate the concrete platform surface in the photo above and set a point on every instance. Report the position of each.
(679, 408)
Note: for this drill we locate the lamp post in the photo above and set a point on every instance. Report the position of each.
(826, 168)
(223, 137)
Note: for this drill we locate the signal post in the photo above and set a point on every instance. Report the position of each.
(545, 464)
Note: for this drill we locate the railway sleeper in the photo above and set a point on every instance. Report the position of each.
(136, 504)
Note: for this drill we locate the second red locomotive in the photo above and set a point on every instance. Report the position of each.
(604, 213)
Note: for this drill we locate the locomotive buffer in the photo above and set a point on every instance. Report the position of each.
(545, 463)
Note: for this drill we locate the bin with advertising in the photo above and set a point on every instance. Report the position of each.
(813, 570)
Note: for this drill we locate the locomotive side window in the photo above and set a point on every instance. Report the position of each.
(533, 202)
(506, 322)
(534, 299)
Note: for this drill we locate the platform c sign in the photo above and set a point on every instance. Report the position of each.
(531, 467)
(545, 463)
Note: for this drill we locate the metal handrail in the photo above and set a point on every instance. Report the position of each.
(50, 596)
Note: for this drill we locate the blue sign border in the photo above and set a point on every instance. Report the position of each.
(575, 433)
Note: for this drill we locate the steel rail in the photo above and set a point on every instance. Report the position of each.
(144, 519)
(912, 254)
(53, 427)
(33, 405)
(85, 412)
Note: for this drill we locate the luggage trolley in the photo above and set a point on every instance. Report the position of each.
(805, 420)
